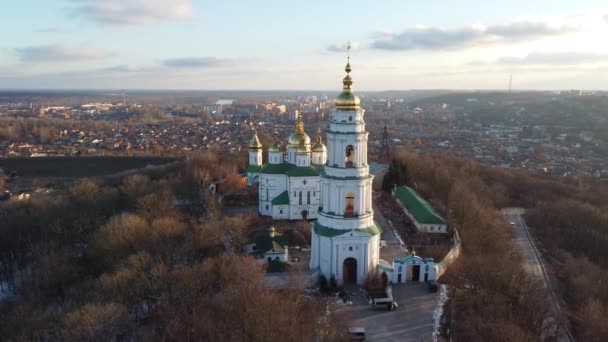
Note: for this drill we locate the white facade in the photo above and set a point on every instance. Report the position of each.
(345, 238)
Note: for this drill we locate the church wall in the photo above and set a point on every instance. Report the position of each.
(280, 212)
(270, 186)
(296, 185)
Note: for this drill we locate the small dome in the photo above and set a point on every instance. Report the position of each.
(255, 143)
(319, 147)
(275, 148)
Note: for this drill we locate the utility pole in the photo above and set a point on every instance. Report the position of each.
(384, 148)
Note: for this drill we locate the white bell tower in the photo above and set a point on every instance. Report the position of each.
(345, 238)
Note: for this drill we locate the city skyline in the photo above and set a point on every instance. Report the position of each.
(209, 45)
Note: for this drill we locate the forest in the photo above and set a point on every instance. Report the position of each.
(109, 262)
(495, 300)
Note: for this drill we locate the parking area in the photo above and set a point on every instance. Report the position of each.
(412, 321)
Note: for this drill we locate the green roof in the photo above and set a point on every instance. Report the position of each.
(302, 171)
(264, 243)
(276, 169)
(282, 199)
(331, 232)
(253, 168)
(422, 211)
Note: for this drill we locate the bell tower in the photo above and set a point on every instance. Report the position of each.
(345, 238)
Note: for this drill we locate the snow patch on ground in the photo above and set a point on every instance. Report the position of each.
(438, 311)
(5, 293)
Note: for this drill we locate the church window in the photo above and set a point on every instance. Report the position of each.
(267, 197)
(308, 197)
(281, 211)
(294, 194)
(254, 248)
(350, 118)
(300, 198)
(277, 258)
(432, 228)
(304, 181)
(350, 156)
(426, 268)
(400, 268)
(350, 249)
(349, 209)
(314, 194)
(266, 206)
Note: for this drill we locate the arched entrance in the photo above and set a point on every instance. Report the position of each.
(349, 271)
(304, 214)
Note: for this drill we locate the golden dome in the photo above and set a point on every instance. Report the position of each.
(299, 135)
(319, 146)
(302, 149)
(276, 146)
(296, 138)
(347, 100)
(255, 143)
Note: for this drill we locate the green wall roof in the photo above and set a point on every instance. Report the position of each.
(302, 171)
(422, 211)
(282, 199)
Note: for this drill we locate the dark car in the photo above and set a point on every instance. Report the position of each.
(432, 285)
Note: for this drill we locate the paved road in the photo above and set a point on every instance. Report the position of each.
(412, 321)
(531, 261)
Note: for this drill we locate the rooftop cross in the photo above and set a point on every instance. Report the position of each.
(348, 46)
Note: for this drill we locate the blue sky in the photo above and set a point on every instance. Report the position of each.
(270, 44)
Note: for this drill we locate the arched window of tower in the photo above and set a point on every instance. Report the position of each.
(350, 156)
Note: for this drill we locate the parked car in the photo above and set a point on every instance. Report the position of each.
(432, 285)
(356, 334)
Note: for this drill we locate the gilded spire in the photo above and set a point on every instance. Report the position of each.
(255, 143)
(299, 124)
(319, 141)
(347, 100)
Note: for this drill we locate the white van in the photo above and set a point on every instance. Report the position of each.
(356, 334)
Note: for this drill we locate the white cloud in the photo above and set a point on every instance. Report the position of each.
(133, 12)
(60, 53)
(555, 58)
(196, 62)
(436, 38)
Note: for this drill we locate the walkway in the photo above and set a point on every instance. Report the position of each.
(532, 262)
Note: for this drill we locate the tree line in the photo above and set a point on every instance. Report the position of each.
(103, 262)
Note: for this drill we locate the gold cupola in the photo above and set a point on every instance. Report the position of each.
(276, 145)
(347, 100)
(299, 136)
(319, 146)
(255, 143)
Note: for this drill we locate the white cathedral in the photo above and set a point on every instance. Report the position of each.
(288, 184)
(335, 187)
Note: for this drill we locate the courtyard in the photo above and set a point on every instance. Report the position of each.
(411, 321)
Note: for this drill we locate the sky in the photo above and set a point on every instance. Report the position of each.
(300, 45)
